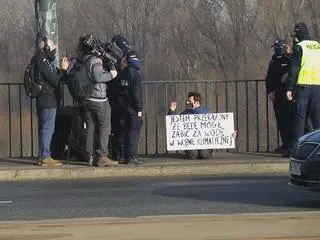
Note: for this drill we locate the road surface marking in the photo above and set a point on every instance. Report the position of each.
(4, 202)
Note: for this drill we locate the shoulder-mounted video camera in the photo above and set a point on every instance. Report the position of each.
(109, 52)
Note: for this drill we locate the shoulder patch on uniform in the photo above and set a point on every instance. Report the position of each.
(124, 83)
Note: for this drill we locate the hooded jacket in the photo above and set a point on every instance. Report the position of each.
(99, 76)
(49, 96)
(302, 34)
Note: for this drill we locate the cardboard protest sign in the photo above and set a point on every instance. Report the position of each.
(200, 131)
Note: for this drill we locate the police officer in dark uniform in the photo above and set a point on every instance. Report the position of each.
(276, 89)
(116, 95)
(304, 79)
(130, 81)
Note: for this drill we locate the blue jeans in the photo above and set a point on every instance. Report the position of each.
(46, 120)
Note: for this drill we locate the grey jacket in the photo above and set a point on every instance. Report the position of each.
(99, 76)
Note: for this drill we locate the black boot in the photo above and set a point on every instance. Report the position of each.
(135, 161)
(287, 153)
(121, 155)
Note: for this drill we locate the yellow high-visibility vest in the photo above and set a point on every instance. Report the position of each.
(310, 63)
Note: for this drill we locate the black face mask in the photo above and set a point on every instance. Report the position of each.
(51, 55)
(279, 51)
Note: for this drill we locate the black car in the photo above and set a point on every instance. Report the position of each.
(305, 162)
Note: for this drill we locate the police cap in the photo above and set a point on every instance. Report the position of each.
(278, 43)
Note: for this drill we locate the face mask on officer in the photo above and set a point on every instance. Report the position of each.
(279, 51)
(279, 48)
(294, 38)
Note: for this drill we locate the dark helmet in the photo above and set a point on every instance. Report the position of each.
(279, 43)
(300, 31)
(122, 43)
(279, 47)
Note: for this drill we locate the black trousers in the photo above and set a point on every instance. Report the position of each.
(116, 141)
(132, 128)
(96, 117)
(307, 106)
(284, 114)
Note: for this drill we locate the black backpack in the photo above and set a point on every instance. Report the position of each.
(32, 82)
(79, 81)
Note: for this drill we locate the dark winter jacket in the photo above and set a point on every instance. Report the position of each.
(275, 80)
(49, 96)
(98, 75)
(118, 94)
(131, 90)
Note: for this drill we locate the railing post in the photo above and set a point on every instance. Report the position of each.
(166, 98)
(217, 98)
(156, 118)
(10, 123)
(146, 117)
(247, 115)
(32, 130)
(257, 116)
(268, 126)
(20, 115)
(237, 113)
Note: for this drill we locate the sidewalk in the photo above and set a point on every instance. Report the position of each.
(222, 163)
(271, 226)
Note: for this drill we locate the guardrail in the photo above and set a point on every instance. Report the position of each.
(254, 118)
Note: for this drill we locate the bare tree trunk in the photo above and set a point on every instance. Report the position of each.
(314, 18)
(46, 20)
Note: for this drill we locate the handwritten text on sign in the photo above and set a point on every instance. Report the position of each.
(200, 131)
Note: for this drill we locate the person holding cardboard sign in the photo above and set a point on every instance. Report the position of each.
(193, 106)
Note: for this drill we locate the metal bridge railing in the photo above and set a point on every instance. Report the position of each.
(254, 118)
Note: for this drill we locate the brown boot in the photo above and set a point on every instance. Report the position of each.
(50, 162)
(105, 161)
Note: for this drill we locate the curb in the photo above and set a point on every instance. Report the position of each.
(200, 169)
(235, 217)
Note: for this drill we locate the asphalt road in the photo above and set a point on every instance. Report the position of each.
(144, 197)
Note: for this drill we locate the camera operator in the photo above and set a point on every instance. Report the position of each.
(95, 109)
